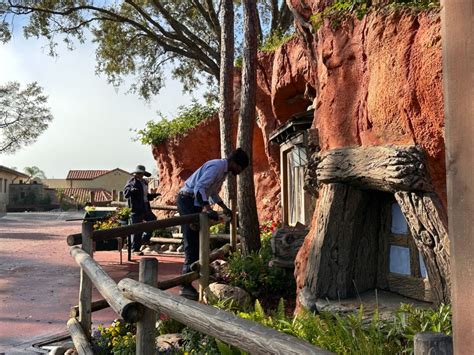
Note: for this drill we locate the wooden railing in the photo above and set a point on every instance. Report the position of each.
(140, 301)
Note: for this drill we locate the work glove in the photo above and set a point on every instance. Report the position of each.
(228, 213)
(213, 215)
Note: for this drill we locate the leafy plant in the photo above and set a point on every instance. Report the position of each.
(217, 228)
(124, 213)
(198, 343)
(342, 9)
(275, 41)
(112, 220)
(256, 275)
(356, 333)
(187, 118)
(117, 339)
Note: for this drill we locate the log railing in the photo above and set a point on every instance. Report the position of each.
(140, 301)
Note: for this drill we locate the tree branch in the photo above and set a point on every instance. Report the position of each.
(207, 17)
(195, 55)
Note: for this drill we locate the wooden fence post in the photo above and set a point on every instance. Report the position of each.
(457, 33)
(431, 343)
(203, 254)
(85, 289)
(233, 226)
(146, 325)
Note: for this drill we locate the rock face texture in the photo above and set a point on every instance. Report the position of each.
(379, 82)
(375, 81)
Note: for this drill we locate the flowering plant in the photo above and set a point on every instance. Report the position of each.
(118, 338)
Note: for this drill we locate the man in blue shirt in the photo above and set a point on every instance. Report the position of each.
(201, 190)
(136, 193)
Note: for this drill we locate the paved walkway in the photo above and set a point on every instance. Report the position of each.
(39, 280)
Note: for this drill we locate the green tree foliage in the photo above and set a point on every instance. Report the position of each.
(34, 172)
(341, 9)
(187, 118)
(24, 115)
(140, 38)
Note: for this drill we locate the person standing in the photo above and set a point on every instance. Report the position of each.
(199, 192)
(138, 198)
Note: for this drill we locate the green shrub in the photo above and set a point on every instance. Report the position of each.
(275, 41)
(187, 118)
(355, 333)
(217, 228)
(255, 274)
(117, 339)
(342, 9)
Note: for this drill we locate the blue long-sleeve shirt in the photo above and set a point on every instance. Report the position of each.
(207, 180)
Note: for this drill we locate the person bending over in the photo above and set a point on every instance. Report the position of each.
(201, 190)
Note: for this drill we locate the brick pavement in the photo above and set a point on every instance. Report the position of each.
(39, 280)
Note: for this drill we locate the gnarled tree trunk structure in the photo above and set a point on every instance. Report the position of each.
(349, 252)
(428, 223)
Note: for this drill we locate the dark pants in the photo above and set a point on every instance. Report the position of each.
(190, 235)
(139, 239)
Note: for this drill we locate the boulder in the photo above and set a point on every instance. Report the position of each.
(168, 342)
(221, 292)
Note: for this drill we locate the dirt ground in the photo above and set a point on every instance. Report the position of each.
(39, 280)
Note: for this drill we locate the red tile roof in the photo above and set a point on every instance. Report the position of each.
(90, 174)
(85, 174)
(83, 195)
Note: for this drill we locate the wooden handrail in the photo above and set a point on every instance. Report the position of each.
(79, 338)
(130, 311)
(106, 234)
(245, 334)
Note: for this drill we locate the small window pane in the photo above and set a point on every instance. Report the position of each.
(399, 223)
(400, 260)
(299, 156)
(423, 271)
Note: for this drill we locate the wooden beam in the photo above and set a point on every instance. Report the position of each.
(386, 168)
(432, 343)
(216, 254)
(129, 311)
(106, 234)
(146, 330)
(85, 285)
(79, 337)
(428, 223)
(95, 306)
(245, 334)
(457, 23)
(179, 280)
(203, 254)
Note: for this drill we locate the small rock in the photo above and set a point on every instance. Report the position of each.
(168, 342)
(172, 247)
(221, 292)
(164, 247)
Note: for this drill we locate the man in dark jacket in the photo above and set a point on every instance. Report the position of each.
(136, 193)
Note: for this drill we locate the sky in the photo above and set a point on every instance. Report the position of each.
(92, 121)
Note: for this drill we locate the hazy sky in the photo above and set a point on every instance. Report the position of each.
(92, 122)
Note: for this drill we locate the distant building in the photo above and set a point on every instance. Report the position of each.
(100, 187)
(7, 177)
(33, 196)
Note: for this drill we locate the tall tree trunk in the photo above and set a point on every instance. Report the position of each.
(226, 90)
(249, 231)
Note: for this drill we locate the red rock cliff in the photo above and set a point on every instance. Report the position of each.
(376, 81)
(379, 82)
